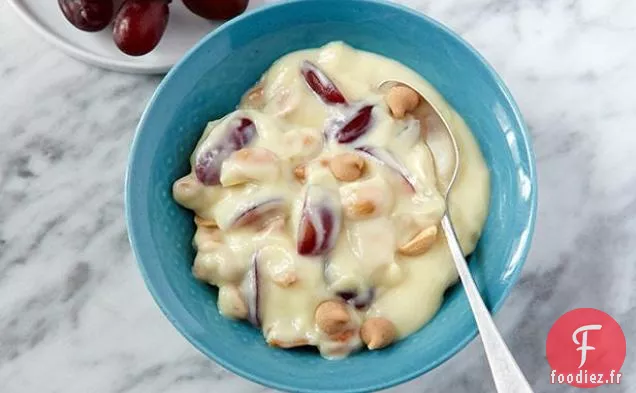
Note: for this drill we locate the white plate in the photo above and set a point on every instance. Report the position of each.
(184, 30)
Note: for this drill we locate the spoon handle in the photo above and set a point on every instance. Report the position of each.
(506, 373)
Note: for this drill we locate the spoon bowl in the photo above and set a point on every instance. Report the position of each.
(436, 142)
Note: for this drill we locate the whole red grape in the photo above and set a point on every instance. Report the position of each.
(87, 15)
(139, 25)
(217, 9)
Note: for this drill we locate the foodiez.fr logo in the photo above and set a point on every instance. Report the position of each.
(586, 348)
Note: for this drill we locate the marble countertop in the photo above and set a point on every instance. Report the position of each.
(75, 316)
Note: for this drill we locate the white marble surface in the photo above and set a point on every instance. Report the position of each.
(75, 316)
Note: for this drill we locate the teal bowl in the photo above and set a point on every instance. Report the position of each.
(209, 82)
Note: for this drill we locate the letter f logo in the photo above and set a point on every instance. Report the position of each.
(583, 344)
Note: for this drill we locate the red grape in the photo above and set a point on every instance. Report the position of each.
(219, 146)
(354, 127)
(87, 15)
(320, 221)
(251, 289)
(217, 9)
(386, 158)
(258, 212)
(139, 25)
(359, 301)
(321, 84)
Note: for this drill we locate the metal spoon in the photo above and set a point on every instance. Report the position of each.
(506, 373)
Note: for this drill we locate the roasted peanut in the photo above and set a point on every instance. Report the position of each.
(401, 100)
(332, 316)
(278, 264)
(286, 279)
(342, 336)
(347, 166)
(254, 98)
(366, 199)
(248, 164)
(377, 332)
(205, 222)
(200, 271)
(300, 173)
(282, 102)
(421, 243)
(207, 238)
(256, 155)
(288, 344)
(359, 209)
(217, 266)
(186, 191)
(301, 145)
(231, 303)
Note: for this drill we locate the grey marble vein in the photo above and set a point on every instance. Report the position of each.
(75, 316)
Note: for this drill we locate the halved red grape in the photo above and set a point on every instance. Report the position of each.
(139, 25)
(258, 212)
(218, 146)
(356, 299)
(347, 295)
(88, 15)
(251, 291)
(217, 9)
(321, 84)
(319, 223)
(307, 237)
(385, 157)
(352, 127)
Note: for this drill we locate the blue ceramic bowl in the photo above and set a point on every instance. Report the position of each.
(209, 82)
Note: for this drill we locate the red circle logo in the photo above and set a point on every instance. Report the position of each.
(585, 348)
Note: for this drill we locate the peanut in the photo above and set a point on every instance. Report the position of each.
(231, 303)
(288, 344)
(342, 336)
(283, 102)
(401, 100)
(301, 145)
(205, 222)
(377, 332)
(285, 279)
(421, 243)
(229, 270)
(207, 238)
(309, 141)
(254, 98)
(256, 155)
(186, 191)
(359, 209)
(250, 164)
(366, 199)
(332, 316)
(217, 266)
(347, 166)
(300, 173)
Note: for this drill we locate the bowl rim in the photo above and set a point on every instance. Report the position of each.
(524, 244)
